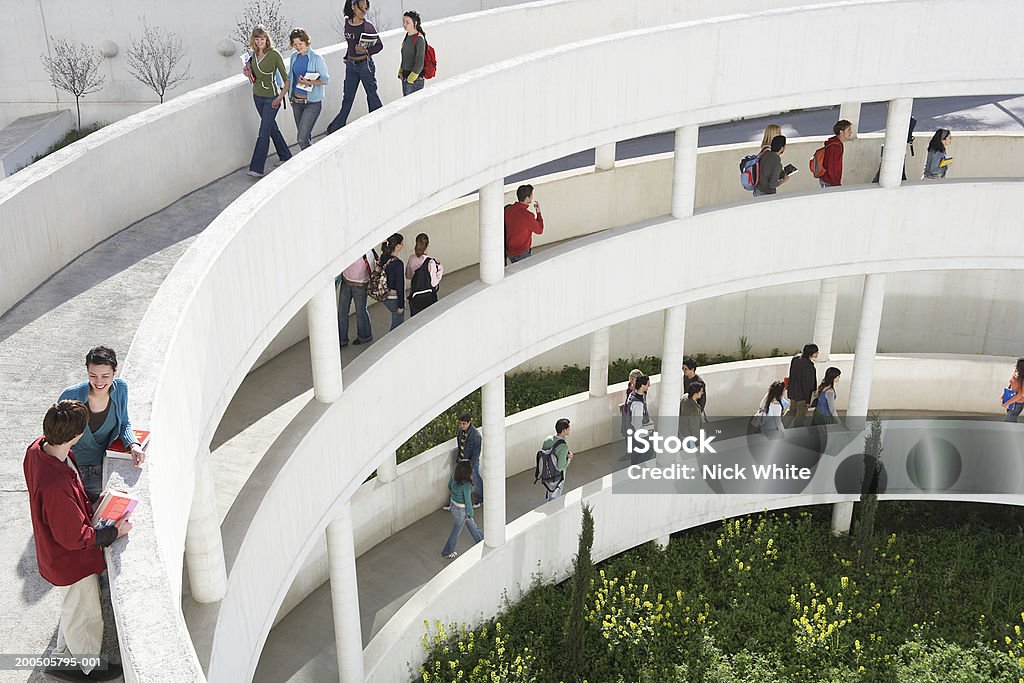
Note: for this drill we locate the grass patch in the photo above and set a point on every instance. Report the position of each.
(73, 135)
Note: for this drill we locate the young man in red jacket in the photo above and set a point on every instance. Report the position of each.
(833, 161)
(68, 550)
(521, 225)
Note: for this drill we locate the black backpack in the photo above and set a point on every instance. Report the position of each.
(421, 294)
(547, 471)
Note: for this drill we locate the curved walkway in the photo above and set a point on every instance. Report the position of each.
(101, 296)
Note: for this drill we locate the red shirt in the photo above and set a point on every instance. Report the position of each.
(61, 519)
(520, 227)
(833, 161)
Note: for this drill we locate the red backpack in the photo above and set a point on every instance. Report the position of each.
(429, 59)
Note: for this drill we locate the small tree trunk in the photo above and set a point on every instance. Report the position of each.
(78, 106)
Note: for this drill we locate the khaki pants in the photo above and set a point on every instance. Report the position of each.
(798, 413)
(81, 620)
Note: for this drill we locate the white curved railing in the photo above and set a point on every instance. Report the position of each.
(249, 273)
(208, 133)
(481, 580)
(381, 509)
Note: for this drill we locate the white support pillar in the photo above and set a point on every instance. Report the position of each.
(851, 112)
(825, 317)
(600, 352)
(684, 171)
(671, 375)
(341, 561)
(894, 155)
(604, 157)
(663, 541)
(204, 548)
(388, 470)
(492, 232)
(860, 385)
(322, 314)
(493, 461)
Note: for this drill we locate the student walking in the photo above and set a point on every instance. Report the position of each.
(306, 94)
(263, 68)
(690, 376)
(825, 412)
(461, 507)
(832, 154)
(69, 551)
(803, 378)
(690, 412)
(636, 406)
(424, 274)
(557, 446)
(107, 400)
(394, 271)
(414, 54)
(468, 442)
(363, 43)
(354, 280)
(772, 408)
(1013, 395)
(521, 225)
(938, 161)
(770, 172)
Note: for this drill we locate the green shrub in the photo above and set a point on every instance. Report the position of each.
(73, 135)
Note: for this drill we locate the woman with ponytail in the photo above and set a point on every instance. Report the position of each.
(825, 412)
(394, 269)
(414, 54)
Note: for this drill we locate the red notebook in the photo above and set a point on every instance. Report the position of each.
(113, 505)
(117, 449)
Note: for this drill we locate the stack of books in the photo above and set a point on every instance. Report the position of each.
(113, 506)
(117, 449)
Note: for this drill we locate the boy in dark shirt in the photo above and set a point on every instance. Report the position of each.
(770, 173)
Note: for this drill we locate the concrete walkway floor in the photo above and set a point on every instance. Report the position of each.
(99, 297)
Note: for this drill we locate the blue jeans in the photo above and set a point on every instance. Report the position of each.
(356, 73)
(357, 293)
(268, 131)
(459, 520)
(1013, 412)
(409, 88)
(92, 481)
(478, 482)
(516, 259)
(396, 317)
(306, 115)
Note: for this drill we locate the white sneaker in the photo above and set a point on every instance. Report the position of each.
(476, 505)
(254, 174)
(447, 507)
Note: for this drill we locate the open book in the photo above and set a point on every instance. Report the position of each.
(309, 76)
(112, 507)
(117, 448)
(368, 40)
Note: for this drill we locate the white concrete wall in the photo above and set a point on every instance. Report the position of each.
(381, 509)
(25, 88)
(210, 132)
(581, 202)
(476, 585)
(248, 274)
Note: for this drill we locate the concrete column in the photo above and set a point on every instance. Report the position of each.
(322, 312)
(663, 541)
(860, 384)
(341, 561)
(600, 345)
(684, 171)
(842, 518)
(893, 156)
(825, 317)
(493, 461)
(492, 232)
(388, 470)
(204, 549)
(604, 157)
(851, 112)
(671, 375)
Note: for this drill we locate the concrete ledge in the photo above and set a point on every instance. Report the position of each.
(30, 136)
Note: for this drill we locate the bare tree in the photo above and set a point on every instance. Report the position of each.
(155, 59)
(75, 69)
(268, 13)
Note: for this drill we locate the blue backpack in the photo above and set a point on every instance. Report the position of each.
(749, 171)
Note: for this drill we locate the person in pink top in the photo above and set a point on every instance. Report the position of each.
(423, 285)
(354, 280)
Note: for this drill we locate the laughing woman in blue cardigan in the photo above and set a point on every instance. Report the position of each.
(107, 399)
